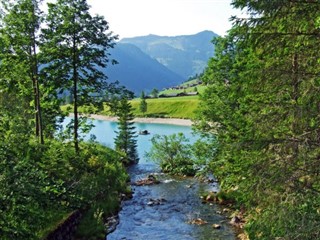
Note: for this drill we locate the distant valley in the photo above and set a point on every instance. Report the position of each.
(139, 72)
(153, 61)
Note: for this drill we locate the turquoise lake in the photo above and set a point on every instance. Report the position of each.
(105, 132)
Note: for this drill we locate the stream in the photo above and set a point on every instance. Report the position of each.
(169, 209)
(166, 210)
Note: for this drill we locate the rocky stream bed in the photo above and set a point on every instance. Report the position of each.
(170, 209)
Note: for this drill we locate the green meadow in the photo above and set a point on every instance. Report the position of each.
(175, 107)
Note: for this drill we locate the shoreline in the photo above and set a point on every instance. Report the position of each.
(173, 121)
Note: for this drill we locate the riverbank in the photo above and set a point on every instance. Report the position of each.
(174, 121)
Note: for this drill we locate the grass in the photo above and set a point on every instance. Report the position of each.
(199, 88)
(175, 107)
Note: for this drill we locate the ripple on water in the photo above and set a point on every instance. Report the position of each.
(177, 203)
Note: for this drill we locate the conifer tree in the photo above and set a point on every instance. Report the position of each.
(154, 93)
(143, 103)
(126, 136)
(263, 104)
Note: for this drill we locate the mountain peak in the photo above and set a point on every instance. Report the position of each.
(153, 36)
(186, 55)
(138, 72)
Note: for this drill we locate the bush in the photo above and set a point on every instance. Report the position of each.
(38, 180)
(173, 154)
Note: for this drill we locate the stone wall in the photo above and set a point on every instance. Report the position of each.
(66, 230)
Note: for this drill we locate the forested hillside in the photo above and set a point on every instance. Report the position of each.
(262, 103)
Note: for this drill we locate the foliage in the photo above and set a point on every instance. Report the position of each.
(125, 140)
(19, 57)
(36, 181)
(42, 181)
(262, 102)
(154, 93)
(74, 47)
(143, 103)
(92, 225)
(173, 154)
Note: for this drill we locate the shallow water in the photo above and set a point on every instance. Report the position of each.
(178, 198)
(179, 205)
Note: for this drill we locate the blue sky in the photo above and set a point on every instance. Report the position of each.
(129, 18)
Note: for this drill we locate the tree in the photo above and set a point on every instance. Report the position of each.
(75, 48)
(125, 141)
(19, 60)
(154, 93)
(173, 154)
(143, 103)
(262, 104)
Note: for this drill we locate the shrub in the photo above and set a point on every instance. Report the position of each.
(173, 154)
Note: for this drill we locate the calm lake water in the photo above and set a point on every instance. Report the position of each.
(178, 198)
(105, 133)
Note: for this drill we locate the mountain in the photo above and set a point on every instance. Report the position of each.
(139, 72)
(185, 55)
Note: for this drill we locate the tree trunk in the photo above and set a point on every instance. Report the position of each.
(37, 93)
(75, 96)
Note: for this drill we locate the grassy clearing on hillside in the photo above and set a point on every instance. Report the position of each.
(175, 107)
(199, 88)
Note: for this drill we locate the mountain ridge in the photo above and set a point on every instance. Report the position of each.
(186, 55)
(137, 71)
(152, 61)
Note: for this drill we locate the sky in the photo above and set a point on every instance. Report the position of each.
(131, 18)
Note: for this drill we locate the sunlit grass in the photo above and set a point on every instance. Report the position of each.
(175, 107)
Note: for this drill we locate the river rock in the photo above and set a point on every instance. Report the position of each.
(235, 220)
(150, 180)
(153, 202)
(216, 226)
(211, 197)
(226, 210)
(111, 223)
(198, 221)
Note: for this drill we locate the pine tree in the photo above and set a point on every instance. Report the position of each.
(143, 103)
(154, 93)
(75, 48)
(262, 103)
(126, 136)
